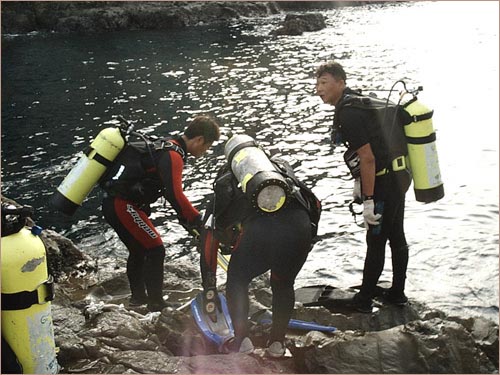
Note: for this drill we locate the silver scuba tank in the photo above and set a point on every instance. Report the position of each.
(259, 180)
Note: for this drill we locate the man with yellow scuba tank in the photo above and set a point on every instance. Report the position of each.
(377, 161)
(257, 239)
(134, 182)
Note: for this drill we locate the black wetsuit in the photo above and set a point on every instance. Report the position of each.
(359, 127)
(127, 208)
(278, 242)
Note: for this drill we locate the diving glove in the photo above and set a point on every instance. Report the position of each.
(192, 227)
(369, 215)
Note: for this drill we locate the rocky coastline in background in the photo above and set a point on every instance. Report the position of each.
(96, 332)
(20, 17)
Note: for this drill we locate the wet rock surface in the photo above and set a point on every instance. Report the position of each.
(97, 332)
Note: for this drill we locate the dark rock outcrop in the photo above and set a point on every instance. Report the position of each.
(89, 16)
(296, 24)
(107, 337)
(99, 16)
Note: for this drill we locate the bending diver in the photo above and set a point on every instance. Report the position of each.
(126, 207)
(259, 241)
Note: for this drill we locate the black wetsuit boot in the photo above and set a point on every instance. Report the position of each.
(135, 274)
(153, 276)
(283, 303)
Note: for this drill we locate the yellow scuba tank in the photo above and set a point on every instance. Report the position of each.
(422, 152)
(27, 290)
(88, 170)
(262, 184)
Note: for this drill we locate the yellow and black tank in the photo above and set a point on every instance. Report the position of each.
(260, 181)
(87, 171)
(422, 152)
(27, 289)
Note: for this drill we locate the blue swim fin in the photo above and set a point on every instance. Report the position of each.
(216, 327)
(265, 317)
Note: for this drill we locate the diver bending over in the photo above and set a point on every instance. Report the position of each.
(258, 242)
(126, 205)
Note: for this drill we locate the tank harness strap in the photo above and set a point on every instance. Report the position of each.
(99, 158)
(176, 148)
(422, 117)
(421, 140)
(398, 164)
(22, 300)
(297, 183)
(238, 148)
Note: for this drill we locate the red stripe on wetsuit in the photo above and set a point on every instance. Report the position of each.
(210, 246)
(170, 166)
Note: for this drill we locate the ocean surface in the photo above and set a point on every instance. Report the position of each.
(59, 91)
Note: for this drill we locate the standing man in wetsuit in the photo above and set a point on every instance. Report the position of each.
(375, 183)
(258, 242)
(126, 206)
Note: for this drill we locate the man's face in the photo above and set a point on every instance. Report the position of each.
(329, 88)
(199, 146)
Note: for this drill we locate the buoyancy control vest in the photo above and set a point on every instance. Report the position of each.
(387, 120)
(134, 174)
(409, 136)
(228, 195)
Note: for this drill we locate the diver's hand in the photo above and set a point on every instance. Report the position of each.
(192, 227)
(369, 215)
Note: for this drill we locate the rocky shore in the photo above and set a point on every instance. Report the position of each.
(96, 331)
(99, 16)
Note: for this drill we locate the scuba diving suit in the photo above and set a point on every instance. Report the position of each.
(356, 127)
(135, 181)
(258, 242)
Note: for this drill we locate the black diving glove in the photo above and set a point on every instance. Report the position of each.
(192, 227)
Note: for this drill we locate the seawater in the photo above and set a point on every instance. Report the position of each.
(59, 91)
